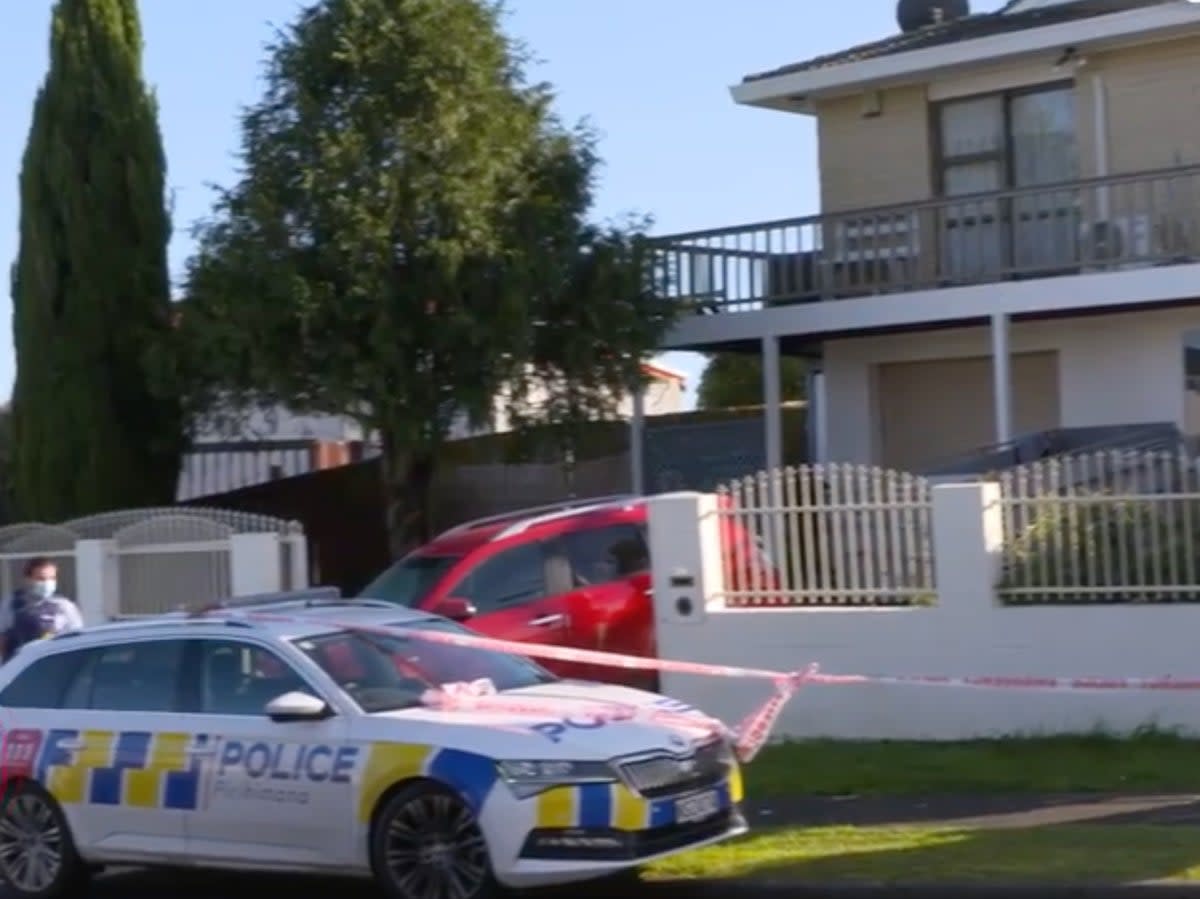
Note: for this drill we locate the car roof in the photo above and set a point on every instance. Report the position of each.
(470, 534)
(283, 616)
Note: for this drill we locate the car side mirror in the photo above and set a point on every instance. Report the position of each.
(298, 706)
(455, 608)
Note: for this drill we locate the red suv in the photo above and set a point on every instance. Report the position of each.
(574, 575)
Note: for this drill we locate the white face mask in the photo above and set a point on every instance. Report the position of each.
(45, 588)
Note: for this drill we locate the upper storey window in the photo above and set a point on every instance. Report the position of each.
(1009, 141)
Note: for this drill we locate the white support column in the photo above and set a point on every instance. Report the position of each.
(1002, 378)
(637, 442)
(772, 403)
(97, 581)
(818, 416)
(255, 564)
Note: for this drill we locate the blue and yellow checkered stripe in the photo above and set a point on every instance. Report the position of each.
(137, 769)
(475, 776)
(616, 806)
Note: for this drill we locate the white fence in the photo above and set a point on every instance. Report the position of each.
(971, 629)
(1110, 527)
(832, 534)
(1102, 527)
(148, 561)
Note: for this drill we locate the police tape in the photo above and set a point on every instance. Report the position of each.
(748, 737)
(810, 675)
(1018, 682)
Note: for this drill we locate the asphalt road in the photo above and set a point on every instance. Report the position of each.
(966, 811)
(189, 885)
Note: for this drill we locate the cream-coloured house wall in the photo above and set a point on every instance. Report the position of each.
(1113, 369)
(1153, 102)
(1151, 111)
(874, 161)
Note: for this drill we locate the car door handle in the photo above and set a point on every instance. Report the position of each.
(546, 621)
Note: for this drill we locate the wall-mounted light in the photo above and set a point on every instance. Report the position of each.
(1071, 57)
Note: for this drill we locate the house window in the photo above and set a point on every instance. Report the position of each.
(1009, 142)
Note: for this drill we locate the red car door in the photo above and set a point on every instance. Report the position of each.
(609, 605)
(509, 590)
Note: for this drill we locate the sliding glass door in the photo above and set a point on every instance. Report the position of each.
(997, 142)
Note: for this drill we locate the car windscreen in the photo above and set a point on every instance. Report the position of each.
(383, 671)
(409, 580)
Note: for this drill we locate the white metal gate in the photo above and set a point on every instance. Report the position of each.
(835, 534)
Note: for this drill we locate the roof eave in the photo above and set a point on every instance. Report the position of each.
(796, 91)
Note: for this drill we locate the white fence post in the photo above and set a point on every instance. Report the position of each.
(97, 580)
(254, 563)
(297, 575)
(687, 562)
(968, 537)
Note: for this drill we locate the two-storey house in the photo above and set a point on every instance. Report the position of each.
(1009, 239)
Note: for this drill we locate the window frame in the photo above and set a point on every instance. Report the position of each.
(1002, 216)
(634, 531)
(942, 161)
(90, 658)
(79, 656)
(544, 552)
(193, 669)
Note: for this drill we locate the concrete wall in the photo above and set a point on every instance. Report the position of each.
(1114, 369)
(966, 633)
(242, 565)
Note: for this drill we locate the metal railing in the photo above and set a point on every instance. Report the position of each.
(827, 535)
(1107, 527)
(1089, 225)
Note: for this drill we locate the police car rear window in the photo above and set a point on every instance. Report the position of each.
(44, 683)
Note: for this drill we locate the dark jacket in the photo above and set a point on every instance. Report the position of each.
(27, 624)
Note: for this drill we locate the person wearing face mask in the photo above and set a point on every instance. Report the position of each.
(36, 611)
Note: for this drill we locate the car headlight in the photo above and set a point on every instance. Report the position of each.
(528, 777)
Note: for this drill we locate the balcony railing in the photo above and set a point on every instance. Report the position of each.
(1092, 225)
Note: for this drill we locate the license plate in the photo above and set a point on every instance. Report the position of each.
(697, 807)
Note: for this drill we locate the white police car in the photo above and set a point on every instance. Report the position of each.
(299, 745)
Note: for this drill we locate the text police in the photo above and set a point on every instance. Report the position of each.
(315, 763)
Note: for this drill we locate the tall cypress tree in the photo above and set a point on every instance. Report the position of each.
(94, 425)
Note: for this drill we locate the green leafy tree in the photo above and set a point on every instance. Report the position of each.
(409, 241)
(92, 426)
(6, 504)
(731, 380)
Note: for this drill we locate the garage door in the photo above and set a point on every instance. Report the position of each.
(929, 411)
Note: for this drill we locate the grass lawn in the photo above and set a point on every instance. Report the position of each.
(1147, 763)
(1054, 854)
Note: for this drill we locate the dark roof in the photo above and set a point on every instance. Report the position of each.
(979, 25)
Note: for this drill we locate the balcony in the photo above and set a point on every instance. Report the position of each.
(1094, 225)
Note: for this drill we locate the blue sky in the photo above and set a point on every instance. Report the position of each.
(651, 75)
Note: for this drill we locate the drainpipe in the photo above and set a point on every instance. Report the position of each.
(1100, 141)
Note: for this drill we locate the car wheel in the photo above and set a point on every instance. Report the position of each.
(38, 858)
(426, 844)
